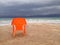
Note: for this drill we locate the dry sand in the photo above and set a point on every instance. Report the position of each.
(36, 34)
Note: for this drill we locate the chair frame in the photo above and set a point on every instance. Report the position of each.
(14, 29)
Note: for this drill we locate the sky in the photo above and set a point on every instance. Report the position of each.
(29, 7)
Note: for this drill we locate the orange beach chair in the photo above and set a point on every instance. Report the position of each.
(18, 24)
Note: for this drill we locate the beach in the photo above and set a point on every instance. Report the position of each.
(36, 34)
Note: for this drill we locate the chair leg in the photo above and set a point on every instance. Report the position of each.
(24, 30)
(14, 31)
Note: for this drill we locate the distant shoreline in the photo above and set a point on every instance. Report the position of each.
(7, 21)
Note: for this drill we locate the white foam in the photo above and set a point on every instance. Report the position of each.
(5, 22)
(43, 21)
(8, 22)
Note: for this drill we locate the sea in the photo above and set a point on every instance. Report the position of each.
(7, 21)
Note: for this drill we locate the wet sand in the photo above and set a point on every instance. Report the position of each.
(36, 34)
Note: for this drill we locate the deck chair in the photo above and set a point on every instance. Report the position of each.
(18, 24)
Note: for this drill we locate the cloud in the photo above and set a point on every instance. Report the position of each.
(13, 2)
(29, 7)
(47, 10)
(42, 10)
(29, 2)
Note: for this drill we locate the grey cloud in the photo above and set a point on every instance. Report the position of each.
(29, 7)
(22, 2)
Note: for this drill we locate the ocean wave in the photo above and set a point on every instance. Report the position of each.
(8, 22)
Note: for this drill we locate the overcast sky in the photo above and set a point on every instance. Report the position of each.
(29, 7)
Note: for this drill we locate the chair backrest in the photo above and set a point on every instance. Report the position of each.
(18, 21)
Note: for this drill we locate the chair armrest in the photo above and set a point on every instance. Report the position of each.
(14, 26)
(24, 26)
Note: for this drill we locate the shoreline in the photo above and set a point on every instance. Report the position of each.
(52, 21)
(33, 23)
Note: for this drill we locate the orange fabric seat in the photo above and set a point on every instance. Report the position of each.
(18, 24)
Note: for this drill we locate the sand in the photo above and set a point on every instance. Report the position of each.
(36, 34)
